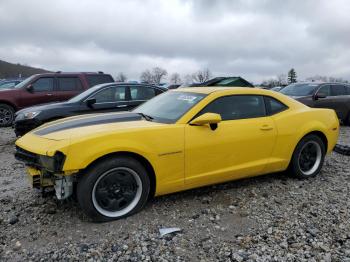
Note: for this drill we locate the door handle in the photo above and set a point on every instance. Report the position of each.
(266, 127)
(120, 106)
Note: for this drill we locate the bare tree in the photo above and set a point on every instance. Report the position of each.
(188, 79)
(269, 83)
(282, 80)
(201, 76)
(121, 77)
(146, 77)
(153, 77)
(326, 79)
(337, 80)
(158, 73)
(317, 78)
(175, 78)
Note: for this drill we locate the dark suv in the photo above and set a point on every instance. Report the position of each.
(327, 95)
(45, 88)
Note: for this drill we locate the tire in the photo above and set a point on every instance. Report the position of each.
(308, 157)
(7, 114)
(347, 120)
(342, 149)
(114, 188)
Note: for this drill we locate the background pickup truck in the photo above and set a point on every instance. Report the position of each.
(46, 88)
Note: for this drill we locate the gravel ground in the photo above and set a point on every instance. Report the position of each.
(269, 218)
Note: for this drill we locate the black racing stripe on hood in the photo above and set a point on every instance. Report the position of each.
(89, 121)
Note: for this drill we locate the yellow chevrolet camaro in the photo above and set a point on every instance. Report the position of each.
(182, 139)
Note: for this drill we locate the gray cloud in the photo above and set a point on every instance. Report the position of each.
(253, 38)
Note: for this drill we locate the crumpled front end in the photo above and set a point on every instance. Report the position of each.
(44, 159)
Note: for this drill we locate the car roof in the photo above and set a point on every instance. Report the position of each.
(321, 83)
(205, 89)
(222, 91)
(231, 90)
(70, 73)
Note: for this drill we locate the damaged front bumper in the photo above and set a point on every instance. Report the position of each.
(46, 172)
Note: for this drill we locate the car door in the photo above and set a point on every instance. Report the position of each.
(67, 87)
(322, 97)
(335, 98)
(239, 147)
(110, 99)
(140, 94)
(41, 92)
(340, 100)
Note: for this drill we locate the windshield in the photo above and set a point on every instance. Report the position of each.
(25, 82)
(299, 89)
(9, 84)
(169, 106)
(85, 94)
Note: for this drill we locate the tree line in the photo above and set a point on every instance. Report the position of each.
(291, 77)
(157, 74)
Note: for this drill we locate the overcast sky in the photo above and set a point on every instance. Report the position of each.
(254, 39)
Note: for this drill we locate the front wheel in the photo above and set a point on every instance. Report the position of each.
(308, 157)
(113, 188)
(7, 114)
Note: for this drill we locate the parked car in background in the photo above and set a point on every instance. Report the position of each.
(277, 88)
(45, 88)
(11, 83)
(173, 86)
(325, 95)
(232, 81)
(100, 98)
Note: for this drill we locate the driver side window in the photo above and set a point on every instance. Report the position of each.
(43, 84)
(237, 107)
(325, 90)
(110, 95)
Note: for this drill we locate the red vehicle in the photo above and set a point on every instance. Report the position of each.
(46, 88)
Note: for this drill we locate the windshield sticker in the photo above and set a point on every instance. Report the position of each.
(187, 98)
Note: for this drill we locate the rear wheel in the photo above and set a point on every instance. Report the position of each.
(308, 157)
(113, 188)
(7, 114)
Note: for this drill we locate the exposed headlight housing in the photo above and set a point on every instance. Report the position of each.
(53, 164)
(31, 115)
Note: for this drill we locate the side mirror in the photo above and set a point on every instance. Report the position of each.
(319, 95)
(90, 102)
(207, 118)
(30, 88)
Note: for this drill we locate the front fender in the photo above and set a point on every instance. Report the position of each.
(84, 153)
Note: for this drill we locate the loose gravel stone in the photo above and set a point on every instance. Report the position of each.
(13, 220)
(268, 218)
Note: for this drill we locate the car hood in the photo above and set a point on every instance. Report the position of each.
(42, 107)
(83, 126)
(60, 134)
(5, 91)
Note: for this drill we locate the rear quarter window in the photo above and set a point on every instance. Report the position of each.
(98, 79)
(69, 83)
(338, 90)
(273, 106)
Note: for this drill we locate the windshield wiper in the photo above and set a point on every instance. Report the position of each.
(147, 117)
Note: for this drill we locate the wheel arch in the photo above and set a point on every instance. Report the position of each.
(318, 133)
(321, 135)
(9, 104)
(145, 162)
